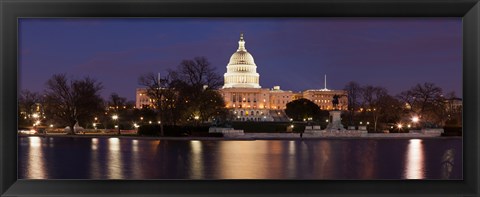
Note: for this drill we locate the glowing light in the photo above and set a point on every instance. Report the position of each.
(51, 125)
(399, 126)
(35, 115)
(415, 119)
(115, 117)
(196, 117)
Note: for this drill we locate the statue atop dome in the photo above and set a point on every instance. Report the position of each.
(241, 44)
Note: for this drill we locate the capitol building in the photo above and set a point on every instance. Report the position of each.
(248, 101)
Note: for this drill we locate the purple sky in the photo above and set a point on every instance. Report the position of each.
(295, 53)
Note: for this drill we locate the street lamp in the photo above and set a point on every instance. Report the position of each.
(415, 119)
(37, 122)
(115, 118)
(399, 126)
(196, 119)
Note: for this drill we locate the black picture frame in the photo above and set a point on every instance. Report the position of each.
(11, 10)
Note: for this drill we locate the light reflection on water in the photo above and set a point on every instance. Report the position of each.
(114, 158)
(243, 160)
(94, 164)
(196, 161)
(36, 163)
(415, 166)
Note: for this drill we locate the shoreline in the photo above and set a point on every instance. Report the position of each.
(242, 137)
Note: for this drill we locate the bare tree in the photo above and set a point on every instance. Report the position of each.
(156, 91)
(116, 101)
(211, 104)
(185, 92)
(354, 92)
(28, 100)
(454, 111)
(427, 101)
(27, 103)
(372, 100)
(389, 109)
(197, 72)
(72, 101)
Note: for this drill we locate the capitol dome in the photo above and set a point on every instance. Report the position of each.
(241, 57)
(241, 69)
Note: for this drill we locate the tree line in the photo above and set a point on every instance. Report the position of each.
(426, 102)
(374, 107)
(186, 95)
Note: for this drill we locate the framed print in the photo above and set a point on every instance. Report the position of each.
(182, 98)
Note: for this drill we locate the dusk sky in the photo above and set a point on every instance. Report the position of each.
(295, 53)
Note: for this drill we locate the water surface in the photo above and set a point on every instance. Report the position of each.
(114, 158)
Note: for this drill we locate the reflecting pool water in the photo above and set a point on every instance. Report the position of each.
(114, 158)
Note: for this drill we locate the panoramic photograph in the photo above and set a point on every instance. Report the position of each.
(240, 98)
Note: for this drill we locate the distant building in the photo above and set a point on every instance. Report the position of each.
(454, 105)
(323, 98)
(247, 101)
(141, 99)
